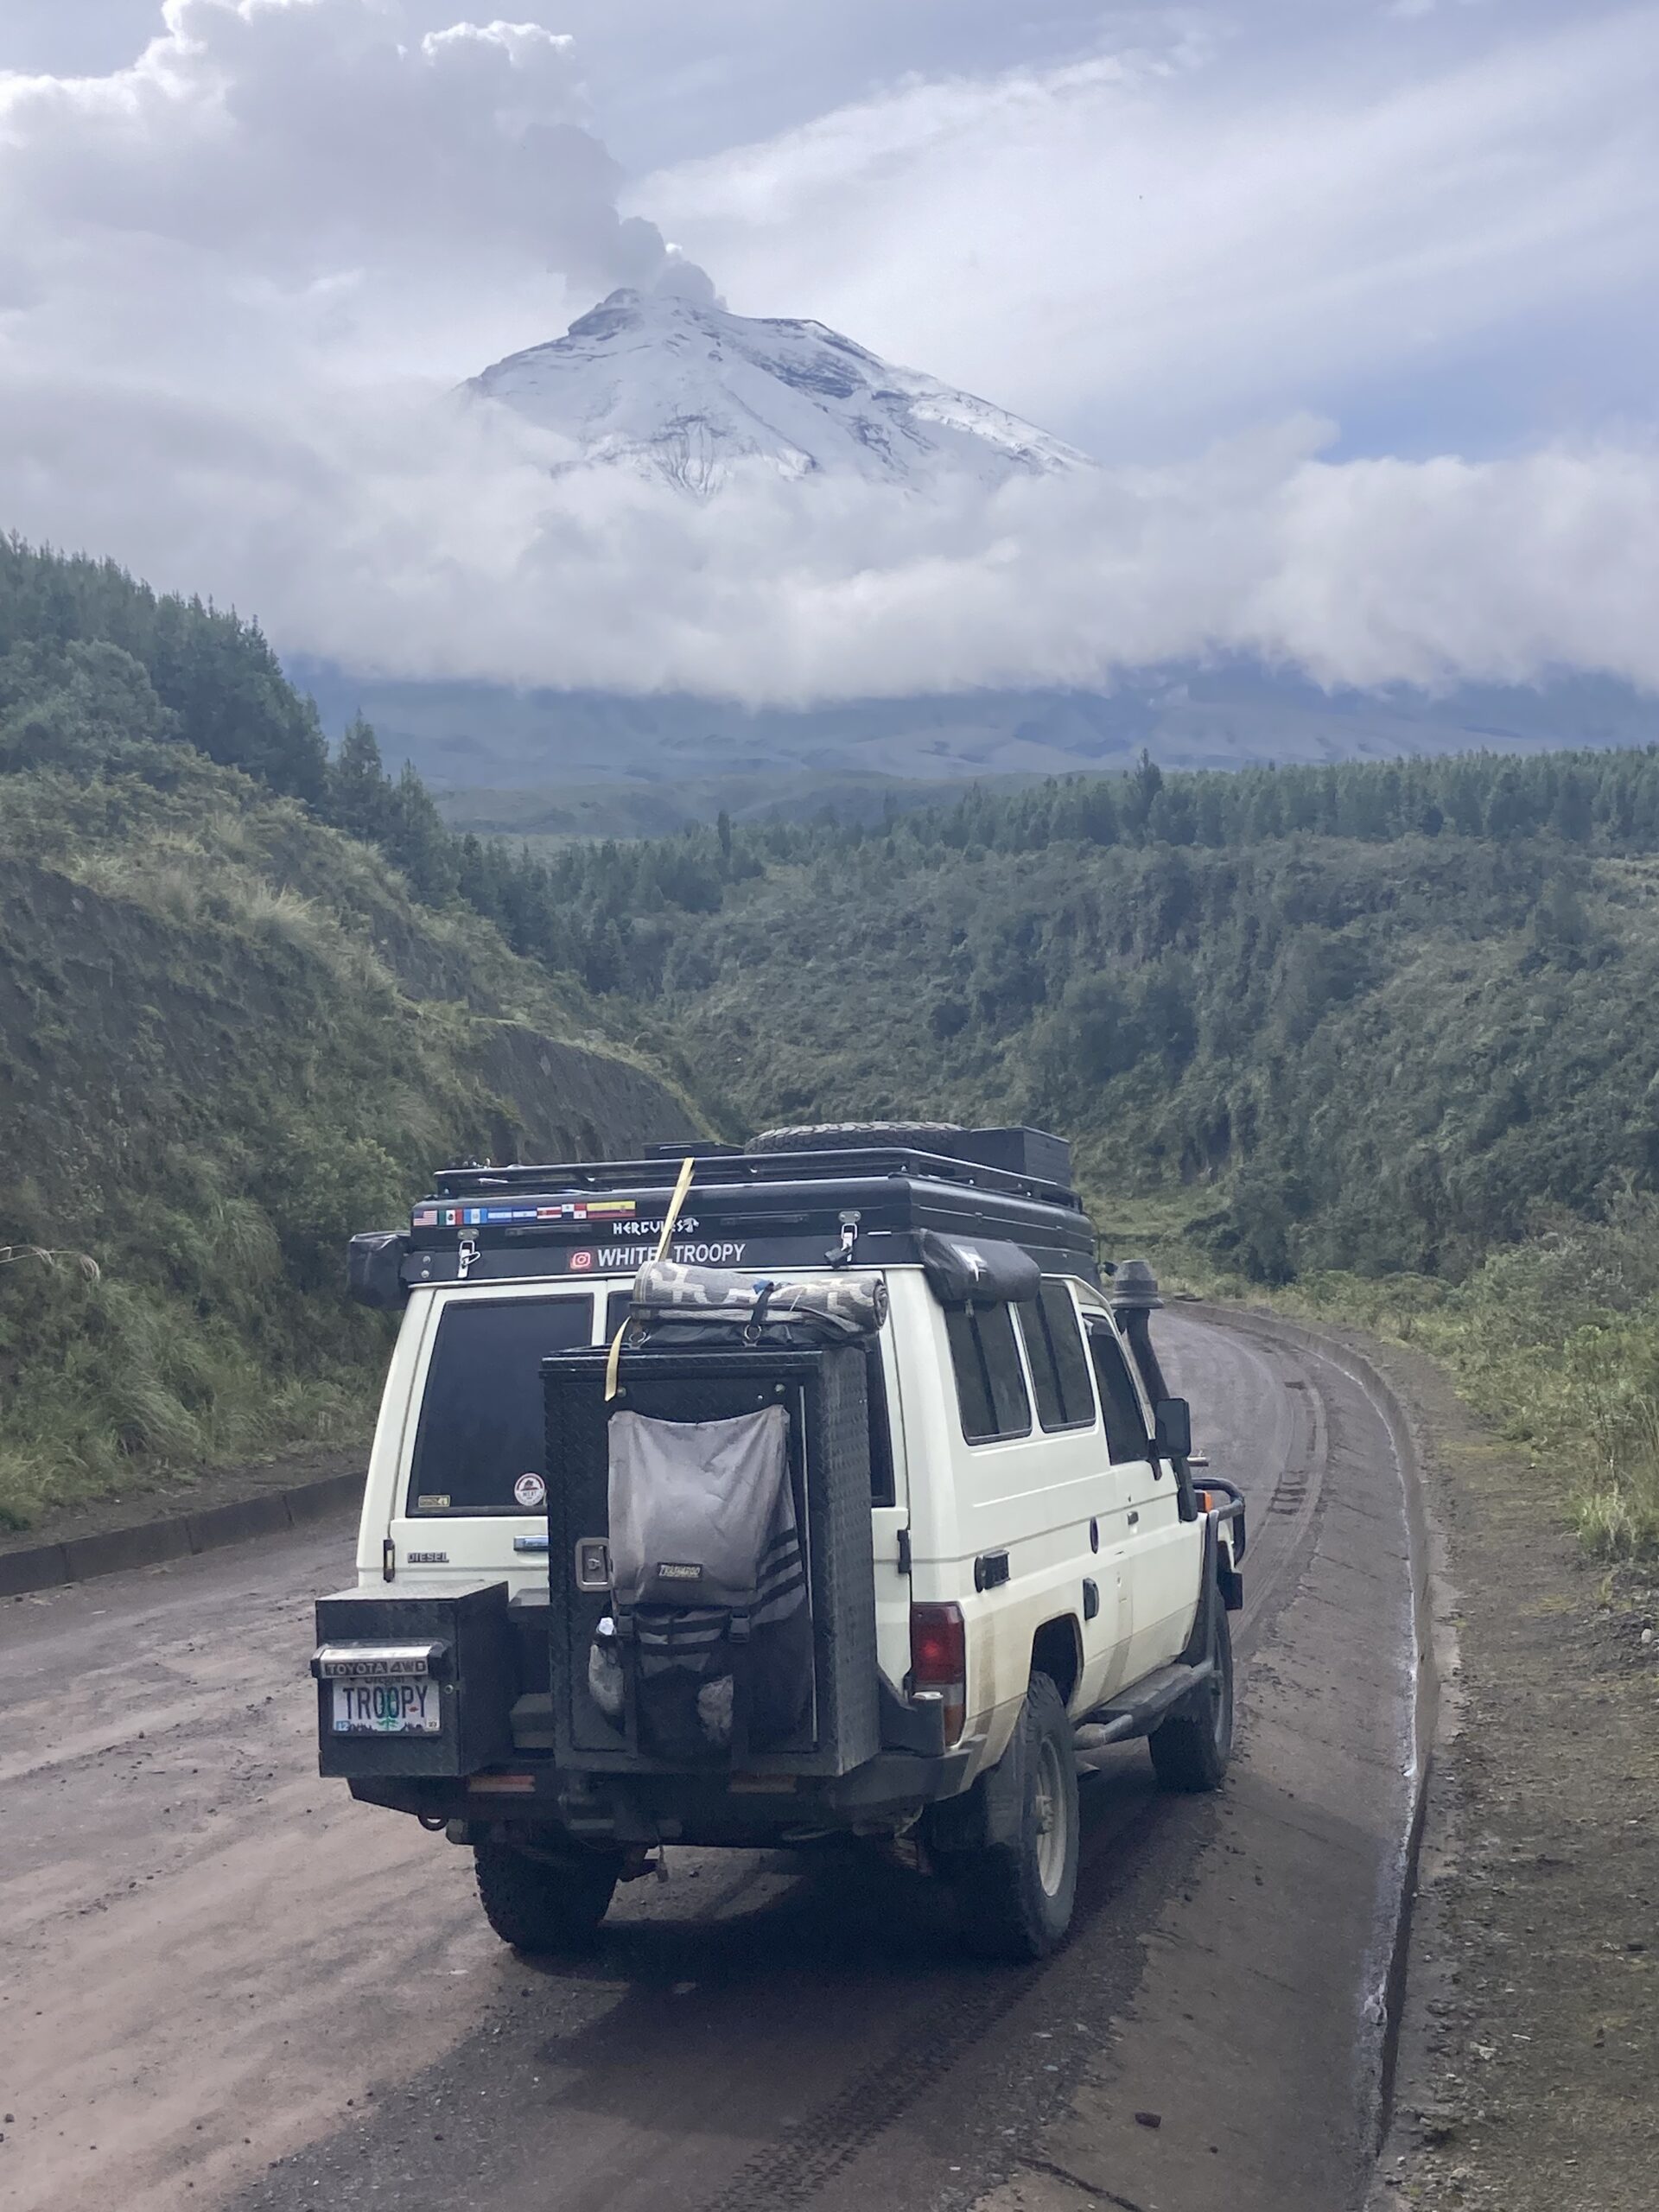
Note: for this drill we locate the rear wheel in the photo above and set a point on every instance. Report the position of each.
(544, 1900)
(1017, 1897)
(1190, 1751)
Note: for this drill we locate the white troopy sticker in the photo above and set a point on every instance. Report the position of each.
(613, 1256)
(530, 1492)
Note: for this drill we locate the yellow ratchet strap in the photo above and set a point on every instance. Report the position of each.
(681, 1188)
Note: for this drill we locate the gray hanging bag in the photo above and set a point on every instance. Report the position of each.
(707, 1653)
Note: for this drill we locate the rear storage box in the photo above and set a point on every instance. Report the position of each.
(823, 1391)
(458, 1642)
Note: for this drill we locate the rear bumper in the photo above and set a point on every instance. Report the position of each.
(883, 1794)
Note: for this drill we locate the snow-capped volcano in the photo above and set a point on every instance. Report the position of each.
(664, 385)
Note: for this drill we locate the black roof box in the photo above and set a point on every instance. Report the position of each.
(1017, 1151)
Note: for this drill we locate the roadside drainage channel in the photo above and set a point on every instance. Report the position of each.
(180, 1535)
(1431, 1632)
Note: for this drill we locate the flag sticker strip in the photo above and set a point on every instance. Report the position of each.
(493, 1217)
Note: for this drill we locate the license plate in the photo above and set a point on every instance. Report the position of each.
(386, 1709)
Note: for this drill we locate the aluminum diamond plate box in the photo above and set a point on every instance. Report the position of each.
(825, 1393)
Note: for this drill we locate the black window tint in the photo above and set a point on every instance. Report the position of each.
(973, 1386)
(882, 1489)
(1008, 1400)
(481, 1416)
(1125, 1431)
(990, 1388)
(1058, 1366)
(618, 1307)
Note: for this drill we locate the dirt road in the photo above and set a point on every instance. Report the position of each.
(226, 1984)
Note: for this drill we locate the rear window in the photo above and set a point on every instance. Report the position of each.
(481, 1416)
(990, 1387)
(1054, 1351)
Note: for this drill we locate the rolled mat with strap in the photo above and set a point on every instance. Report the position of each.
(670, 1219)
(837, 1306)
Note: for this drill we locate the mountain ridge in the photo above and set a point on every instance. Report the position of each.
(486, 737)
(668, 386)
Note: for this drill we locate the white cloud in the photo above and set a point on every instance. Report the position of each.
(312, 172)
(459, 564)
(237, 274)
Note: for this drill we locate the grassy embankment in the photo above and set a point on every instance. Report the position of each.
(232, 1038)
(246, 1004)
(1555, 1340)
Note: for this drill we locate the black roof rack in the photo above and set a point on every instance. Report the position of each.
(860, 1205)
(731, 1165)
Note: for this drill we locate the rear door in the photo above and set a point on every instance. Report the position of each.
(1159, 1577)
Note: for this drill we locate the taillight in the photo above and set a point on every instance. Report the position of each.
(938, 1662)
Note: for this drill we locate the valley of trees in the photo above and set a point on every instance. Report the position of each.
(1367, 1017)
(1392, 1024)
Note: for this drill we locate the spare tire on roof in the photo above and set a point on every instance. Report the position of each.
(855, 1136)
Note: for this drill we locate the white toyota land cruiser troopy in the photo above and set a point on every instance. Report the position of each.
(815, 1487)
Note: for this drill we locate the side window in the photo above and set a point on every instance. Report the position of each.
(990, 1387)
(1126, 1429)
(1054, 1351)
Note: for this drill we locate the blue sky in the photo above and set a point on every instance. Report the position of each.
(1422, 234)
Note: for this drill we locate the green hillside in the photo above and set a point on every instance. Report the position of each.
(1387, 1036)
(230, 1035)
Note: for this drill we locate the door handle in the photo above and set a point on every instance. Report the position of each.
(1134, 1516)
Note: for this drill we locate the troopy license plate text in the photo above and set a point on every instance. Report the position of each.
(386, 1709)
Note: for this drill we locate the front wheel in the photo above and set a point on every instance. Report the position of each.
(1017, 1897)
(1190, 1751)
(544, 1901)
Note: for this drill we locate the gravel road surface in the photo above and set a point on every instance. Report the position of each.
(227, 1985)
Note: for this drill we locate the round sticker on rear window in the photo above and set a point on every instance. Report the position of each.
(530, 1492)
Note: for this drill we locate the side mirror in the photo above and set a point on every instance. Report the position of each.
(1172, 1420)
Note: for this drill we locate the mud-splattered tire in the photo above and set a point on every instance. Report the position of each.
(550, 1903)
(1191, 1749)
(1016, 1898)
(854, 1136)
